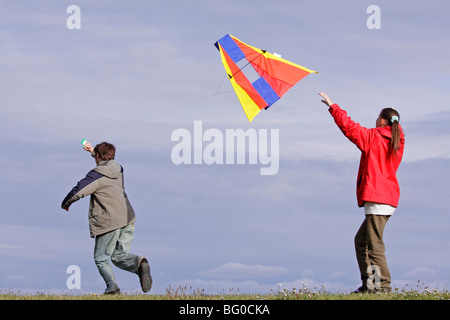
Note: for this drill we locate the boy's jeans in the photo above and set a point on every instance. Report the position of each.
(115, 245)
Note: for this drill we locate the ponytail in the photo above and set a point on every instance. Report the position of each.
(392, 117)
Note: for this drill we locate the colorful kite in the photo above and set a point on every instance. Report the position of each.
(275, 75)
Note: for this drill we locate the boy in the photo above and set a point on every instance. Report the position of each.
(111, 218)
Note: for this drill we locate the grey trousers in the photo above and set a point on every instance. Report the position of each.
(115, 245)
(370, 253)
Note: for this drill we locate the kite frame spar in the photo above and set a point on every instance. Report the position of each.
(277, 75)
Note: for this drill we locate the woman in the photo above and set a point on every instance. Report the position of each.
(377, 188)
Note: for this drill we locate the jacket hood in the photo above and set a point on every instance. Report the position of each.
(110, 169)
(386, 131)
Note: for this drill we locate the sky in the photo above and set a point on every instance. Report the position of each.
(135, 72)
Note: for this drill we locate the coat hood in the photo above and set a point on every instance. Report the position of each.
(110, 169)
(387, 133)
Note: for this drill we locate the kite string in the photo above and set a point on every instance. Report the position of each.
(188, 103)
(154, 115)
(220, 85)
(168, 110)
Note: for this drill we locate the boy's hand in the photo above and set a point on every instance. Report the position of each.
(88, 147)
(327, 100)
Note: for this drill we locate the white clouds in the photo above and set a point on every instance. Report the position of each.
(420, 278)
(239, 271)
(219, 227)
(421, 273)
(428, 137)
(302, 238)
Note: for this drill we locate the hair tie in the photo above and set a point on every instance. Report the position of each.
(394, 118)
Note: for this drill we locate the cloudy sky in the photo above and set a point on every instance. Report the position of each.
(137, 71)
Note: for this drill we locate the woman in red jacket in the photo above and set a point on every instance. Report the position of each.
(377, 188)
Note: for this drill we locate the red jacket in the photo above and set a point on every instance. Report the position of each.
(377, 181)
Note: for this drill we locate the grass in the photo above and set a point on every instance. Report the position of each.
(184, 293)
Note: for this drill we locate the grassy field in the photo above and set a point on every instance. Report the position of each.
(184, 293)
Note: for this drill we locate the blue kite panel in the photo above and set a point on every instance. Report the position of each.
(266, 91)
(231, 48)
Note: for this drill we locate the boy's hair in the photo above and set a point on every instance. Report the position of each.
(387, 114)
(105, 151)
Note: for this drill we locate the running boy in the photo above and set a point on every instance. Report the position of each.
(111, 218)
(377, 188)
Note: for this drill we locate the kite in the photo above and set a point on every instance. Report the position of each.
(275, 75)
